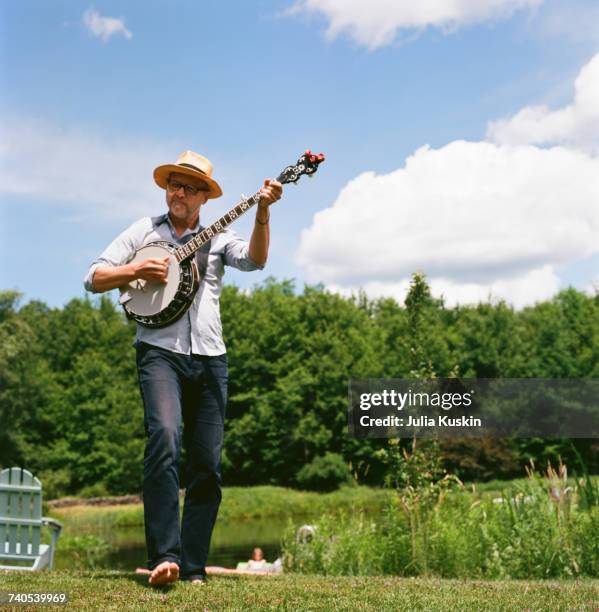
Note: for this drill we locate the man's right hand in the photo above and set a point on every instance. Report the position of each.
(153, 269)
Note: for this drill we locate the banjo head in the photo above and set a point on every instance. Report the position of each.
(148, 298)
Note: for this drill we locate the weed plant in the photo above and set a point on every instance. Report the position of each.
(542, 527)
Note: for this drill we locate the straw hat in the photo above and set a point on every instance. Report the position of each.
(192, 164)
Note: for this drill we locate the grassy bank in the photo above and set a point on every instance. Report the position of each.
(117, 591)
(268, 501)
(239, 503)
(542, 527)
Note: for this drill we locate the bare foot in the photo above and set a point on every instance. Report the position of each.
(164, 573)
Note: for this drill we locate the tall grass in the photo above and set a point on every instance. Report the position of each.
(543, 527)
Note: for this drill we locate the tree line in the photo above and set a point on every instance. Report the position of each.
(70, 408)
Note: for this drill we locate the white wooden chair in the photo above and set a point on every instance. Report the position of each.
(21, 522)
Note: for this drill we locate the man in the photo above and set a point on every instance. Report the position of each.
(182, 368)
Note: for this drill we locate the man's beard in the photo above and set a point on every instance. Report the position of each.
(180, 211)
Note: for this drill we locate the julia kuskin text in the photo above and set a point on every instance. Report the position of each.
(399, 401)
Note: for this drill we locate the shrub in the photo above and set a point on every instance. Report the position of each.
(324, 473)
(98, 489)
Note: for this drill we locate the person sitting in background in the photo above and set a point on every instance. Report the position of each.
(257, 562)
(255, 566)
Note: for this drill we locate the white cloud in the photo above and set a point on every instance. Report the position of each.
(535, 285)
(481, 219)
(592, 288)
(92, 175)
(376, 23)
(476, 217)
(575, 125)
(105, 27)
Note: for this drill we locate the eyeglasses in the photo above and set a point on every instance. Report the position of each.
(190, 190)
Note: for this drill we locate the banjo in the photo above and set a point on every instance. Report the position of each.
(155, 304)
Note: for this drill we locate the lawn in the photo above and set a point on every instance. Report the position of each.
(108, 590)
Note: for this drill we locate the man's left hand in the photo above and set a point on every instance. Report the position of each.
(270, 193)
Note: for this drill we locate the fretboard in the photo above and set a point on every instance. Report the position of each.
(189, 248)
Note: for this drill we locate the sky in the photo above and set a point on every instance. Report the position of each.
(461, 138)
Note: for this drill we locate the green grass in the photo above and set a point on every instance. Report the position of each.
(239, 503)
(543, 529)
(107, 590)
(267, 501)
(494, 488)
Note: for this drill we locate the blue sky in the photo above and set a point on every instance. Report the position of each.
(502, 203)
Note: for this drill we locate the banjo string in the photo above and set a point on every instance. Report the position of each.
(189, 248)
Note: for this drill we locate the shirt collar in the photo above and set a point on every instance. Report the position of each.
(186, 232)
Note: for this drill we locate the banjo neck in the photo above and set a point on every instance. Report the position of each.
(189, 248)
(306, 164)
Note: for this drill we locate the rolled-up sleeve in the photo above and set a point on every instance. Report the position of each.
(119, 252)
(237, 253)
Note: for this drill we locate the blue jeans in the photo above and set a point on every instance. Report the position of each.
(184, 398)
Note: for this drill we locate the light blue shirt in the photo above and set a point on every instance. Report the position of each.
(199, 330)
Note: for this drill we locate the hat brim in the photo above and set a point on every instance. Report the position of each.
(162, 173)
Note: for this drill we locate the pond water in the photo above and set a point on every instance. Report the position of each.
(231, 542)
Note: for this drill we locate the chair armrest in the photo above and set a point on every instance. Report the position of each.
(56, 529)
(53, 523)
